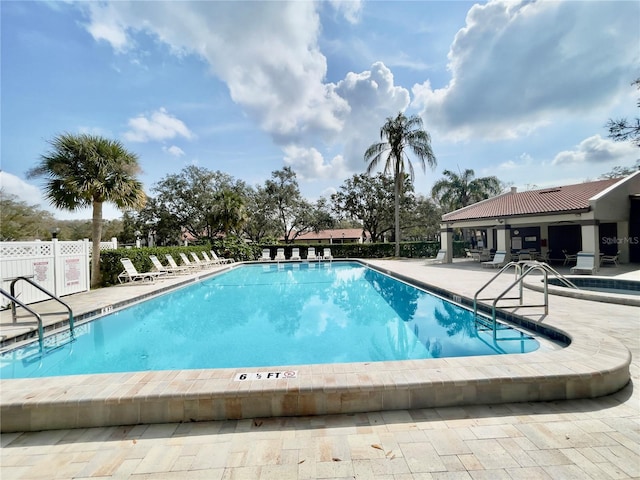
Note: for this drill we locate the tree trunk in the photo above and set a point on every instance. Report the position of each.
(96, 237)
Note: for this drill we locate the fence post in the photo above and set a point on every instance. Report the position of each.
(87, 262)
(57, 274)
(114, 241)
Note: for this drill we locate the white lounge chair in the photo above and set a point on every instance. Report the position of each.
(498, 260)
(218, 259)
(169, 270)
(326, 254)
(202, 263)
(439, 258)
(189, 263)
(295, 254)
(311, 254)
(209, 261)
(130, 273)
(610, 258)
(266, 255)
(172, 263)
(585, 263)
(280, 255)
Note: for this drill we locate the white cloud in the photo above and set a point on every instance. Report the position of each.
(372, 97)
(13, 185)
(598, 150)
(106, 25)
(351, 9)
(174, 150)
(276, 72)
(160, 125)
(515, 66)
(308, 163)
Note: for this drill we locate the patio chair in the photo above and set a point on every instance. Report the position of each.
(130, 273)
(474, 255)
(326, 254)
(499, 260)
(210, 261)
(266, 255)
(569, 258)
(280, 255)
(610, 258)
(173, 264)
(218, 259)
(311, 254)
(484, 255)
(189, 263)
(295, 254)
(169, 270)
(585, 263)
(439, 258)
(202, 263)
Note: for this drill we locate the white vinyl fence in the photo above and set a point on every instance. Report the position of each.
(60, 267)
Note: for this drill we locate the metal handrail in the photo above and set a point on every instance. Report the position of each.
(15, 301)
(523, 269)
(43, 290)
(487, 283)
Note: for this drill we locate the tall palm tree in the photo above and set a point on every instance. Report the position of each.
(398, 135)
(86, 170)
(457, 191)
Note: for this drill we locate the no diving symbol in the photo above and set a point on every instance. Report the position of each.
(289, 374)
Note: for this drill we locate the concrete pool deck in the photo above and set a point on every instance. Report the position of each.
(465, 442)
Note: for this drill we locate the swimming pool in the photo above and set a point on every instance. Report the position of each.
(265, 315)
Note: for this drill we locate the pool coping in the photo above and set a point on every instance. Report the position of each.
(590, 366)
(607, 297)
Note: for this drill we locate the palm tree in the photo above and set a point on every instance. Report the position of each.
(457, 191)
(229, 214)
(86, 170)
(397, 135)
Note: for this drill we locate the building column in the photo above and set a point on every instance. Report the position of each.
(446, 243)
(623, 239)
(591, 239)
(490, 244)
(544, 238)
(504, 240)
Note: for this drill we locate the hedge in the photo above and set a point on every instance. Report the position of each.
(111, 267)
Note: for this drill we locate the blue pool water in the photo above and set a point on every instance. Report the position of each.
(272, 315)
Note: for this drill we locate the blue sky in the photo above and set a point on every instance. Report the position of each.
(520, 90)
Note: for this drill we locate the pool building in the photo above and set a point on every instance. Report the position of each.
(601, 217)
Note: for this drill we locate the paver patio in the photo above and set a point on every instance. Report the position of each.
(591, 438)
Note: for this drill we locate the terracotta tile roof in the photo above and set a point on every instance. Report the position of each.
(566, 198)
(349, 233)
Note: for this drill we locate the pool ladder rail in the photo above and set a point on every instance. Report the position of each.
(11, 295)
(522, 269)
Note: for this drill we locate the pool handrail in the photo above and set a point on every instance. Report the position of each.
(43, 290)
(522, 269)
(15, 301)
